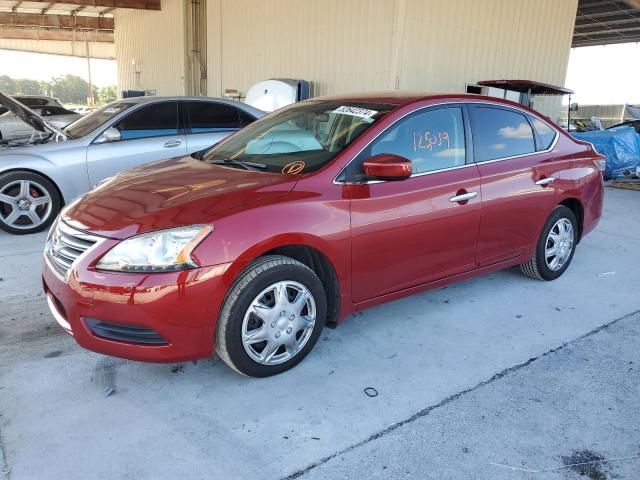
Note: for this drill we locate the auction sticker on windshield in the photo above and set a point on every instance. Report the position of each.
(355, 111)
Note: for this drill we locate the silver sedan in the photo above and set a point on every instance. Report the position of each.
(40, 174)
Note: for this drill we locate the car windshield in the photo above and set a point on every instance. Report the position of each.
(299, 139)
(87, 124)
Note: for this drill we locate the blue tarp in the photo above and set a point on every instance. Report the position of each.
(620, 146)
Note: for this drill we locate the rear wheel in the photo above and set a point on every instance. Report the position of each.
(29, 202)
(272, 317)
(555, 247)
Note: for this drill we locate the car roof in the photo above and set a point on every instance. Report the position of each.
(400, 98)
(244, 106)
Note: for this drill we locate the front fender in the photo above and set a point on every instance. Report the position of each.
(241, 237)
(69, 177)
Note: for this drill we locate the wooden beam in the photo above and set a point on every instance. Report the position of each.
(75, 22)
(78, 10)
(56, 34)
(46, 9)
(135, 4)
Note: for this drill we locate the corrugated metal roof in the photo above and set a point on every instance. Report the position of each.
(603, 22)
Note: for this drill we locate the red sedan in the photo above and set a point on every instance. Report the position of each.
(318, 210)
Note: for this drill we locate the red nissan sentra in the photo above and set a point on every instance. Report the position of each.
(316, 211)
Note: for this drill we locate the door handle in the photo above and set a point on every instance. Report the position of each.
(172, 143)
(545, 181)
(464, 197)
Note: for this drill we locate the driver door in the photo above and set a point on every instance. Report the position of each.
(411, 232)
(149, 133)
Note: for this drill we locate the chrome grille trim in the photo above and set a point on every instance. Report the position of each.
(65, 246)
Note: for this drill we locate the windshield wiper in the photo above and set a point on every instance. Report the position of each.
(253, 166)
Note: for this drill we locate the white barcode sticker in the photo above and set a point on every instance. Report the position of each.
(355, 111)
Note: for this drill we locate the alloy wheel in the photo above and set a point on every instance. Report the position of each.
(24, 204)
(278, 323)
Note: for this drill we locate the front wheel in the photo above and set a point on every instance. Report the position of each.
(29, 202)
(555, 247)
(272, 317)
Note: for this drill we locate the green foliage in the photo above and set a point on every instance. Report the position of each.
(29, 87)
(107, 94)
(8, 85)
(66, 88)
(70, 89)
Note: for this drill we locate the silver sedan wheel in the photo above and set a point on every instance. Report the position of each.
(559, 244)
(278, 322)
(24, 204)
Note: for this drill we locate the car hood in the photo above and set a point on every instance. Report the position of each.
(170, 193)
(28, 116)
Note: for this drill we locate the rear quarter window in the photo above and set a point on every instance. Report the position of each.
(212, 117)
(500, 133)
(546, 134)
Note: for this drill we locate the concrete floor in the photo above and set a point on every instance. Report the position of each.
(498, 369)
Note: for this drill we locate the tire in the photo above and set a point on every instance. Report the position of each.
(259, 284)
(541, 266)
(19, 192)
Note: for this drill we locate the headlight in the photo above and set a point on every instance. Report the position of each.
(162, 251)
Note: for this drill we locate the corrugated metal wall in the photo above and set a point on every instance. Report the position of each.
(156, 41)
(341, 45)
(353, 45)
(358, 45)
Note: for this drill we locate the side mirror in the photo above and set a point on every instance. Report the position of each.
(387, 167)
(573, 107)
(109, 135)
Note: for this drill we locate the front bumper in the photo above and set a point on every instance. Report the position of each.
(178, 310)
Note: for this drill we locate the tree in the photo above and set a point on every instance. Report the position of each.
(107, 94)
(70, 89)
(8, 85)
(28, 87)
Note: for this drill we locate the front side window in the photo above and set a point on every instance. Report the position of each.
(432, 140)
(546, 134)
(155, 120)
(500, 133)
(212, 117)
(301, 138)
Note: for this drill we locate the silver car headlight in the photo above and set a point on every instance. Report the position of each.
(162, 251)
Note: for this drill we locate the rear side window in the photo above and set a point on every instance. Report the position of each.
(546, 134)
(246, 118)
(432, 139)
(212, 117)
(155, 120)
(500, 133)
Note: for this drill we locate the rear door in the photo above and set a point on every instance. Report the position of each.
(410, 232)
(209, 122)
(517, 175)
(148, 133)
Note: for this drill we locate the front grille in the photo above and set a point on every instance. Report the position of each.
(125, 333)
(65, 245)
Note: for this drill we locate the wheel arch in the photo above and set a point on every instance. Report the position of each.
(42, 174)
(575, 205)
(309, 251)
